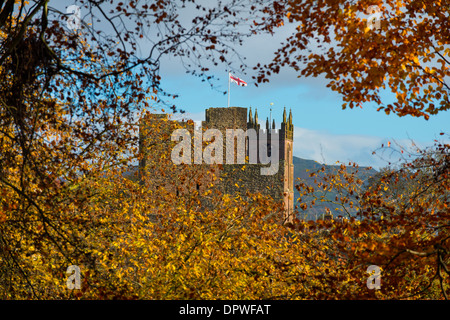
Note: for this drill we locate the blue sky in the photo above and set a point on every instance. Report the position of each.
(323, 131)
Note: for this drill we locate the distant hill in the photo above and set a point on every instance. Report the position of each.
(302, 170)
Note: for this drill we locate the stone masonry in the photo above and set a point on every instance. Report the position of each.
(240, 178)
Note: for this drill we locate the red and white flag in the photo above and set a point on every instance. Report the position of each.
(238, 81)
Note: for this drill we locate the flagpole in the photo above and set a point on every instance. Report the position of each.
(270, 121)
(228, 89)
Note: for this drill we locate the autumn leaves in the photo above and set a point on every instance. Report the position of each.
(68, 137)
(406, 52)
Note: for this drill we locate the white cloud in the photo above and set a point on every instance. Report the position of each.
(325, 147)
(328, 148)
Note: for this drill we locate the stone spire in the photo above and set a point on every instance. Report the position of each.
(287, 128)
(290, 127)
(250, 116)
(273, 124)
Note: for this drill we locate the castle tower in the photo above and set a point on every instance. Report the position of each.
(235, 177)
(281, 184)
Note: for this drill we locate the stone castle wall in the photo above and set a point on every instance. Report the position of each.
(234, 178)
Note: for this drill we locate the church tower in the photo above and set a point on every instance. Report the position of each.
(280, 185)
(242, 177)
